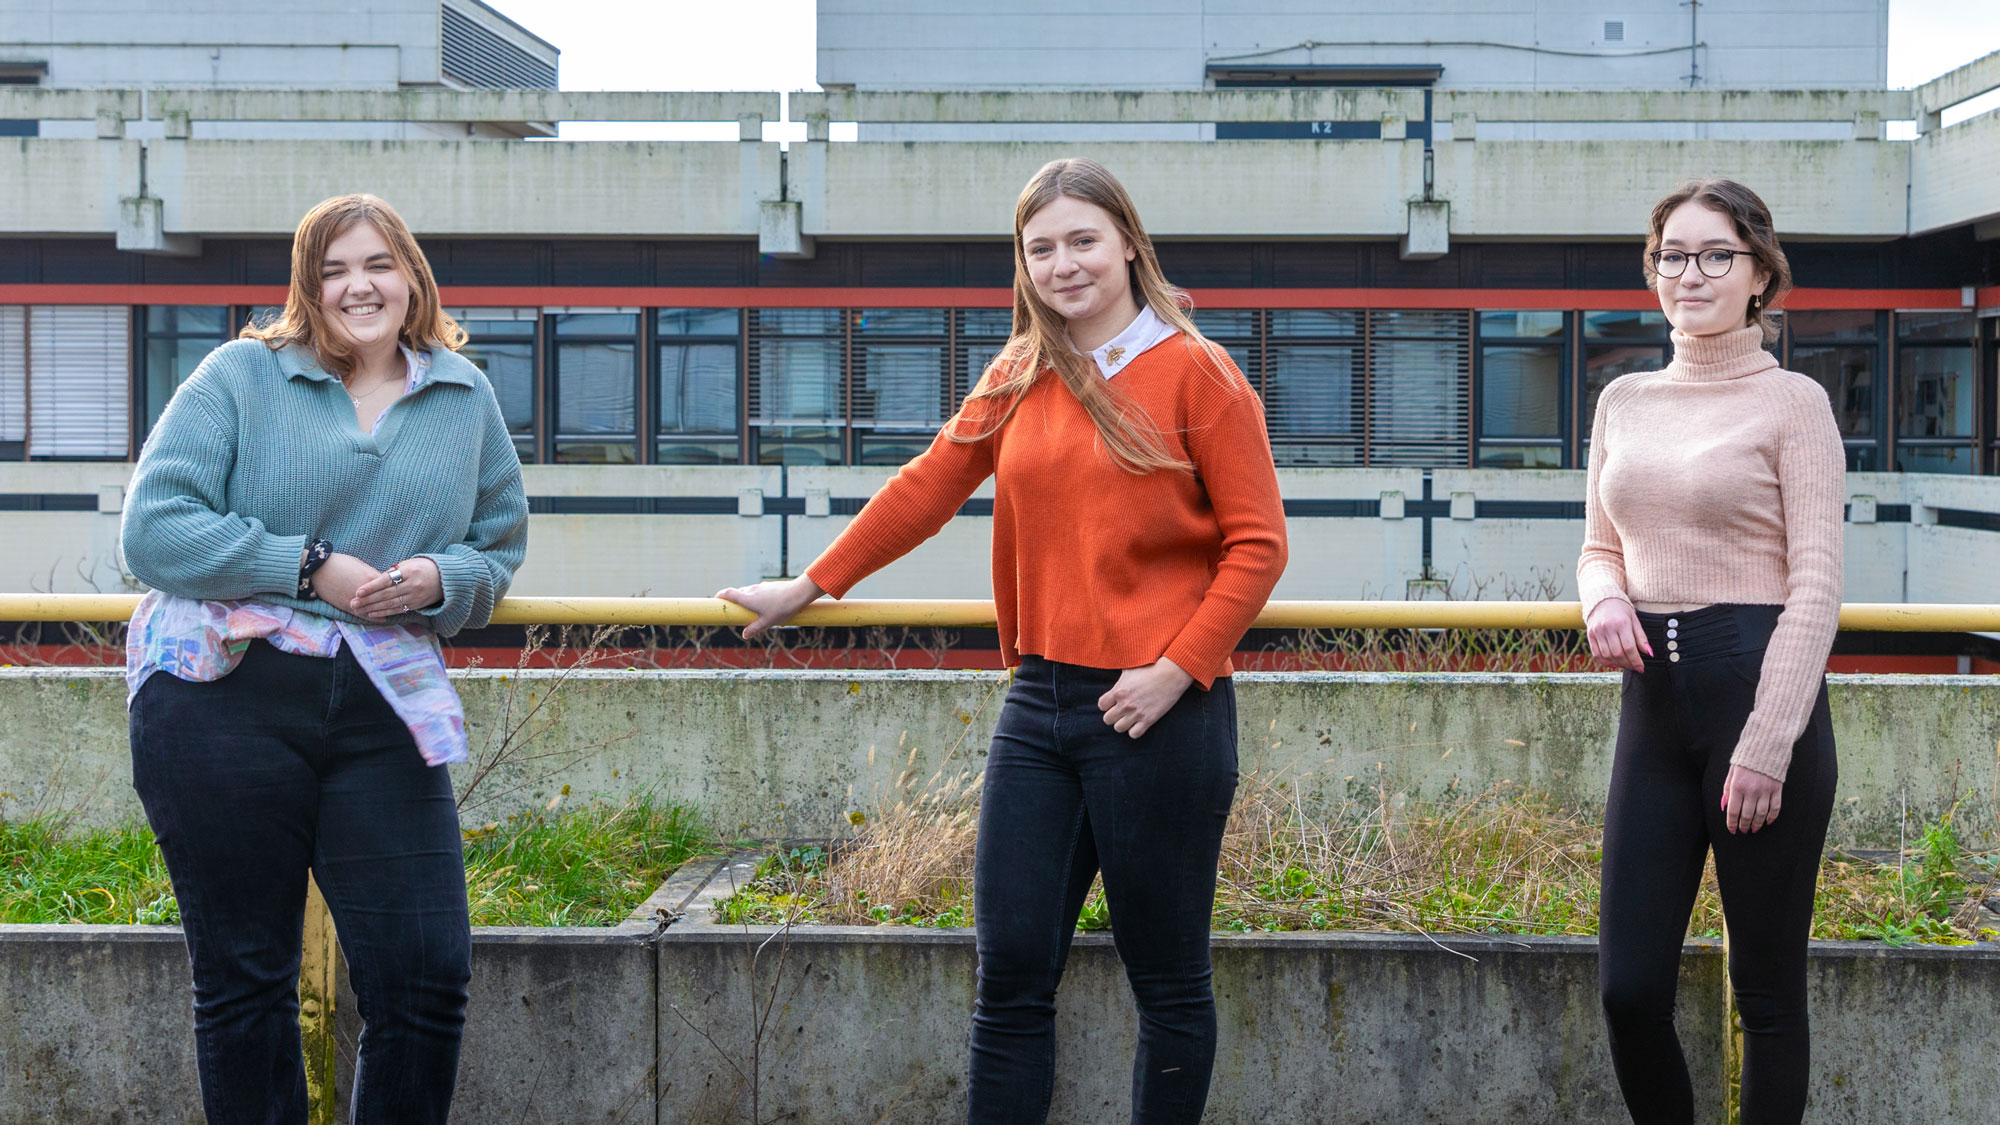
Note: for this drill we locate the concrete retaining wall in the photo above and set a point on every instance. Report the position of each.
(632, 1024)
(789, 754)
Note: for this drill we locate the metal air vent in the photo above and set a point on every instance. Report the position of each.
(1614, 31)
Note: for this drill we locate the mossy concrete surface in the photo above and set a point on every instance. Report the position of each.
(871, 1024)
(786, 754)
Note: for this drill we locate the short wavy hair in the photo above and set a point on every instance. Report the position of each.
(303, 323)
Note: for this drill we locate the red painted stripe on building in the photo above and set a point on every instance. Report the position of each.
(868, 297)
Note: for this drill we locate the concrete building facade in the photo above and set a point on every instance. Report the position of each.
(712, 353)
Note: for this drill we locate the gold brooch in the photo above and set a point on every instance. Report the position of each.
(1113, 355)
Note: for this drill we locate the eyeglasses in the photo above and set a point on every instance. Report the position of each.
(1712, 263)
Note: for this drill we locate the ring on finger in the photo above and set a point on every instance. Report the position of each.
(395, 576)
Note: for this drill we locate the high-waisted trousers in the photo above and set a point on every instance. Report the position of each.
(1677, 726)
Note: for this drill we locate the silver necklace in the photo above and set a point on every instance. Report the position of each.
(370, 394)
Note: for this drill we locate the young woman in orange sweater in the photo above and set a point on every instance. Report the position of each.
(1137, 531)
(1711, 573)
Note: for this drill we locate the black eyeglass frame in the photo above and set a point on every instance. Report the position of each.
(1656, 255)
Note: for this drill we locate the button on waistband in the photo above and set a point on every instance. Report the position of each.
(1674, 656)
(1673, 622)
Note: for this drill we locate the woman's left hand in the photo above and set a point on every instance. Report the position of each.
(1142, 695)
(1749, 799)
(381, 597)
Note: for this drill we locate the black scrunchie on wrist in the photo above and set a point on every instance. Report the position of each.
(317, 552)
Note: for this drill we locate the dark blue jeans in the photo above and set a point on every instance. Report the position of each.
(1066, 796)
(289, 764)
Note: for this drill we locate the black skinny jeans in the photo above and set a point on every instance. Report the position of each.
(1677, 727)
(292, 763)
(1066, 796)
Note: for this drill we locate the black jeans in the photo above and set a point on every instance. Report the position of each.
(1676, 730)
(1066, 795)
(287, 764)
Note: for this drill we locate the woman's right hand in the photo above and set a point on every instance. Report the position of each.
(338, 577)
(1616, 636)
(774, 602)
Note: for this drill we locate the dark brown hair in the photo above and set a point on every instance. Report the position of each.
(303, 323)
(1040, 338)
(1753, 225)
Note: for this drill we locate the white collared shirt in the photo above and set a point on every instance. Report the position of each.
(1146, 332)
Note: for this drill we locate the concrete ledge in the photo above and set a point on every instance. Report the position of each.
(868, 1024)
(777, 755)
(1387, 1027)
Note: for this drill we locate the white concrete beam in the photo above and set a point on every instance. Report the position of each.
(1672, 105)
(1969, 81)
(637, 189)
(1955, 175)
(1097, 107)
(1560, 189)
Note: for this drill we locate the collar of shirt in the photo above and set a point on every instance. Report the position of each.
(1145, 332)
(419, 367)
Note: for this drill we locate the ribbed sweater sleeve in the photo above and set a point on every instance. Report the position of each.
(178, 533)
(914, 505)
(1600, 572)
(1812, 475)
(1232, 456)
(477, 571)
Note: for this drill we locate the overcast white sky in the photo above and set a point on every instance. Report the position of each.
(768, 44)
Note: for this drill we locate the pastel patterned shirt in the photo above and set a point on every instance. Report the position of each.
(203, 641)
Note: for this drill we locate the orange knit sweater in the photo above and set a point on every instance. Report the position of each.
(1093, 564)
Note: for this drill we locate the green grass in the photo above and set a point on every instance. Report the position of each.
(588, 866)
(110, 876)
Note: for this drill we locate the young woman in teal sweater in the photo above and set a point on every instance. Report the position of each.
(319, 502)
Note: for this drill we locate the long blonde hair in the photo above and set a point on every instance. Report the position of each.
(1040, 339)
(304, 323)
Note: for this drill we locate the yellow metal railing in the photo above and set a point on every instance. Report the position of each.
(943, 613)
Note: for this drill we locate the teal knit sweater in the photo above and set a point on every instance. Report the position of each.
(259, 452)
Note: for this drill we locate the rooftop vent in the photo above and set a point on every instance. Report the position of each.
(477, 57)
(1614, 31)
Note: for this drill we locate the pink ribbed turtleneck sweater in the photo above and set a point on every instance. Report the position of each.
(1722, 479)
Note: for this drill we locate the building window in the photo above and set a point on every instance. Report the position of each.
(1618, 343)
(177, 339)
(699, 370)
(901, 382)
(798, 414)
(13, 382)
(978, 336)
(1419, 387)
(79, 382)
(595, 369)
(1841, 350)
(1315, 367)
(1362, 387)
(501, 343)
(1936, 391)
(1522, 362)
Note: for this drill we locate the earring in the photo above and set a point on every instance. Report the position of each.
(1756, 300)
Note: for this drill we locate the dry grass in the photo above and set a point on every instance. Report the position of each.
(1504, 861)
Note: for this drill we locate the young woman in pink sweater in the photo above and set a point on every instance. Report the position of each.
(1711, 573)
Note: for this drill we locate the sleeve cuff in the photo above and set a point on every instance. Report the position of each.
(1203, 670)
(829, 578)
(460, 574)
(277, 564)
(1770, 763)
